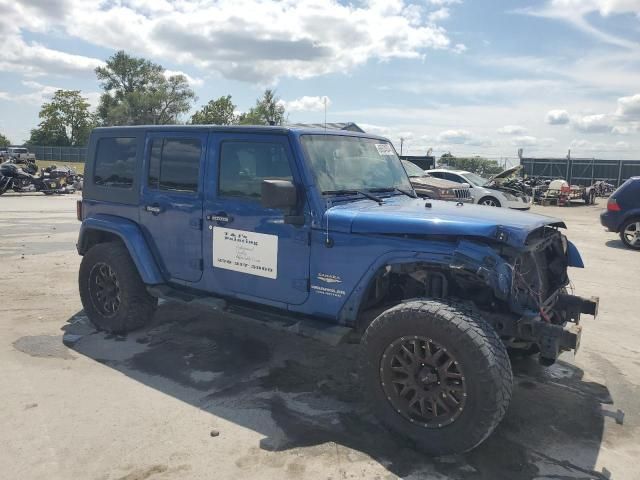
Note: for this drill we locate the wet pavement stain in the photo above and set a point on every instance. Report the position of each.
(312, 395)
(43, 346)
(219, 359)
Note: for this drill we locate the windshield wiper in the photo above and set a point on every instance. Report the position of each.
(408, 193)
(353, 192)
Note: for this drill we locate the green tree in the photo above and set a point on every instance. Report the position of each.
(216, 112)
(64, 121)
(268, 110)
(476, 164)
(137, 92)
(4, 141)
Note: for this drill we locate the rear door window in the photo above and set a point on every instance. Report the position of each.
(174, 164)
(244, 165)
(115, 162)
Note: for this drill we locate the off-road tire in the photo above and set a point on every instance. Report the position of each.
(496, 202)
(624, 227)
(482, 357)
(136, 306)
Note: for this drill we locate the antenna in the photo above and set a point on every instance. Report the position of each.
(324, 100)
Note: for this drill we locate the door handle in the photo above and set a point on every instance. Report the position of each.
(155, 209)
(220, 217)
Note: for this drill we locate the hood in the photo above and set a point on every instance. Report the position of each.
(402, 215)
(505, 174)
(435, 182)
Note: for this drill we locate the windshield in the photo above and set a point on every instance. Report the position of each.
(19, 150)
(476, 180)
(353, 163)
(413, 170)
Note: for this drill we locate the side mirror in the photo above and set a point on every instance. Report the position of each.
(280, 194)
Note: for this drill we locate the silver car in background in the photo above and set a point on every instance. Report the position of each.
(488, 191)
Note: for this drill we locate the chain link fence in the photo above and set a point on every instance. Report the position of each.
(60, 154)
(581, 171)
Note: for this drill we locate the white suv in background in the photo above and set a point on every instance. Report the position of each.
(488, 191)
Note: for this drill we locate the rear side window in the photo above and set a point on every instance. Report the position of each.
(174, 164)
(115, 162)
(244, 165)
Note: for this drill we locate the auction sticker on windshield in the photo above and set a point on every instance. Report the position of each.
(245, 252)
(384, 149)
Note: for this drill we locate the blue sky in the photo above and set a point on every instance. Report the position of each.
(468, 77)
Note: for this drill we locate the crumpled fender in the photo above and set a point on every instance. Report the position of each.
(573, 256)
(474, 257)
(483, 261)
(133, 239)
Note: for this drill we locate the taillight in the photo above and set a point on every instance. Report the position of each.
(79, 210)
(612, 205)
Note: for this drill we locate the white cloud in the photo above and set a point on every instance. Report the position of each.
(579, 14)
(524, 141)
(33, 59)
(530, 141)
(39, 93)
(439, 15)
(512, 130)
(600, 123)
(193, 81)
(463, 137)
(258, 42)
(480, 88)
(598, 147)
(629, 107)
(557, 117)
(626, 129)
(307, 104)
(444, 2)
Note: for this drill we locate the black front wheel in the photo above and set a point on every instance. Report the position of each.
(490, 202)
(437, 373)
(113, 295)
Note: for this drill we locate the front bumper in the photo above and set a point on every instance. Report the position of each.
(551, 338)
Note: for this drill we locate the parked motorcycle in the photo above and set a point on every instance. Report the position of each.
(15, 177)
(70, 174)
(603, 189)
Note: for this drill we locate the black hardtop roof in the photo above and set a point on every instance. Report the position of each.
(120, 130)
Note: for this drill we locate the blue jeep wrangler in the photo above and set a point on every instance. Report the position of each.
(317, 227)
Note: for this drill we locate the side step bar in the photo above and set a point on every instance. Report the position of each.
(325, 332)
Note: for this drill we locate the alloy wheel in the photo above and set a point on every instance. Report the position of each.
(423, 381)
(104, 288)
(632, 234)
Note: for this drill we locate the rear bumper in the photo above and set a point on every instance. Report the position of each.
(611, 220)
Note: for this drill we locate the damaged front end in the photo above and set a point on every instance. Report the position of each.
(529, 305)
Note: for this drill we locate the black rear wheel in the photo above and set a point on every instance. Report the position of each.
(113, 295)
(437, 373)
(630, 233)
